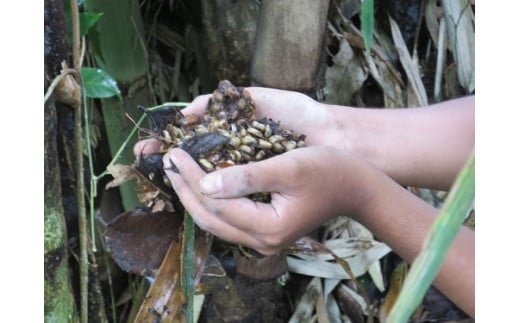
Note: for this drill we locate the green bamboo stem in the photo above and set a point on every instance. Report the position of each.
(443, 232)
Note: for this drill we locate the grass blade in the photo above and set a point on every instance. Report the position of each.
(367, 22)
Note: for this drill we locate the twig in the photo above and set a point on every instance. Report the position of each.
(80, 183)
(75, 34)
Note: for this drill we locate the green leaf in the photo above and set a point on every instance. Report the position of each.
(87, 20)
(99, 84)
(367, 22)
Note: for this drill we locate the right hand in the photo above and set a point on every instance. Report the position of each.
(294, 110)
(308, 187)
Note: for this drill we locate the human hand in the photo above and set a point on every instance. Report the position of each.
(294, 110)
(308, 186)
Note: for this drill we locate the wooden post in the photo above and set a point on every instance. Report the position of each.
(289, 44)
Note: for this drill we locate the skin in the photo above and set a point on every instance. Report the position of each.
(355, 163)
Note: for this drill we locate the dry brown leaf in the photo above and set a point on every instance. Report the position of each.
(432, 12)
(345, 77)
(121, 174)
(460, 23)
(411, 69)
(138, 240)
(350, 303)
(305, 308)
(165, 301)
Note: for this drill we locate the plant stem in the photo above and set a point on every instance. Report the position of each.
(82, 218)
(80, 183)
(188, 266)
(93, 179)
(75, 35)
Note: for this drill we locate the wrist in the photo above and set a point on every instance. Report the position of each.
(341, 129)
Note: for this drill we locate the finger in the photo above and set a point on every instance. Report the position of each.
(270, 175)
(146, 146)
(206, 220)
(198, 105)
(253, 218)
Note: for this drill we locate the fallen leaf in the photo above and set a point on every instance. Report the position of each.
(121, 174)
(138, 240)
(410, 68)
(305, 308)
(345, 77)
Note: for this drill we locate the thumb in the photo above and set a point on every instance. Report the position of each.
(271, 175)
(197, 106)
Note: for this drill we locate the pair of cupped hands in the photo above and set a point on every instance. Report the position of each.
(308, 185)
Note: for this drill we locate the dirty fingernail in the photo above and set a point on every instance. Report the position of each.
(169, 162)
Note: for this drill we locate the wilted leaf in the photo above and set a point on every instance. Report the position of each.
(165, 301)
(348, 237)
(99, 84)
(121, 174)
(305, 308)
(461, 34)
(431, 17)
(351, 303)
(359, 263)
(384, 75)
(374, 270)
(138, 240)
(410, 68)
(345, 77)
(331, 306)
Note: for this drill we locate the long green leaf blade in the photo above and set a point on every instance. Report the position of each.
(444, 230)
(367, 22)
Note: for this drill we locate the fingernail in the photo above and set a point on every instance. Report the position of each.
(211, 184)
(170, 162)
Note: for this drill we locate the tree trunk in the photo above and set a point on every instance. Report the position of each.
(59, 305)
(229, 34)
(289, 44)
